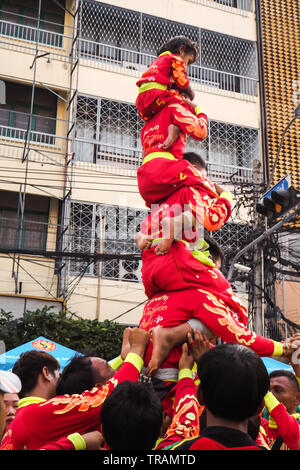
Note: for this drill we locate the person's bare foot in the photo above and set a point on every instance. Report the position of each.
(162, 343)
(173, 134)
(143, 241)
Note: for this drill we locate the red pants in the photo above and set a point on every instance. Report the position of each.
(179, 270)
(152, 101)
(169, 309)
(161, 177)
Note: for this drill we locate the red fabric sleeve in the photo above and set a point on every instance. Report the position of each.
(287, 426)
(185, 421)
(189, 123)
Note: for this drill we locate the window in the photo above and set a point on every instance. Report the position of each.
(33, 236)
(20, 20)
(107, 131)
(15, 115)
(125, 37)
(99, 228)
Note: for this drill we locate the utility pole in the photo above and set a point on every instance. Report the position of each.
(258, 259)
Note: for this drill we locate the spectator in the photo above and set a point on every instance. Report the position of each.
(11, 405)
(39, 373)
(42, 421)
(9, 383)
(233, 383)
(282, 426)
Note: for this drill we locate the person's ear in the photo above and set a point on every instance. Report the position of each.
(46, 374)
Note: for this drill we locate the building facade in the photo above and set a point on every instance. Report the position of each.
(70, 139)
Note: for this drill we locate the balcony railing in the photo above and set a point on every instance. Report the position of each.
(114, 156)
(239, 5)
(45, 141)
(137, 62)
(32, 34)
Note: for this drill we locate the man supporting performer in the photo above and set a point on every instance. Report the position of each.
(171, 316)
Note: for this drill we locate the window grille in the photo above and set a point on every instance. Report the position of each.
(33, 236)
(245, 5)
(18, 19)
(131, 39)
(107, 131)
(100, 228)
(228, 149)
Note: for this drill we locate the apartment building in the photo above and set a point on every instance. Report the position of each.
(70, 139)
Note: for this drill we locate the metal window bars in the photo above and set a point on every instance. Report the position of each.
(118, 37)
(108, 133)
(240, 6)
(101, 228)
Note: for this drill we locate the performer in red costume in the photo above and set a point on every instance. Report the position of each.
(167, 69)
(39, 422)
(168, 310)
(162, 172)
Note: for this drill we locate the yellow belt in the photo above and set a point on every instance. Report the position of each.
(150, 86)
(153, 155)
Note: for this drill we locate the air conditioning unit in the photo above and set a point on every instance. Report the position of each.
(130, 270)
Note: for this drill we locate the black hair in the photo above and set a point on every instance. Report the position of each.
(30, 365)
(76, 377)
(173, 45)
(233, 381)
(289, 375)
(195, 159)
(215, 249)
(131, 417)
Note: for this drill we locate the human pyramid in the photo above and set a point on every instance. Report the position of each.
(180, 267)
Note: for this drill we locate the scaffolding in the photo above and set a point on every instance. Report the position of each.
(40, 38)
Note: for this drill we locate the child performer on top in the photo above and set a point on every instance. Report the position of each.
(167, 69)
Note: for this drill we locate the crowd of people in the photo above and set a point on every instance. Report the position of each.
(190, 377)
(229, 402)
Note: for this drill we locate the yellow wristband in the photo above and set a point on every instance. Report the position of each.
(199, 110)
(278, 349)
(185, 374)
(77, 441)
(116, 363)
(271, 401)
(135, 360)
(227, 196)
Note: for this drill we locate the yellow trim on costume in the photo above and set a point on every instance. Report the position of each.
(30, 401)
(166, 52)
(199, 110)
(152, 85)
(77, 441)
(185, 374)
(278, 349)
(271, 401)
(153, 155)
(135, 360)
(116, 363)
(298, 380)
(227, 196)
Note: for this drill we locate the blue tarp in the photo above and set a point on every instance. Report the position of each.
(272, 364)
(61, 353)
